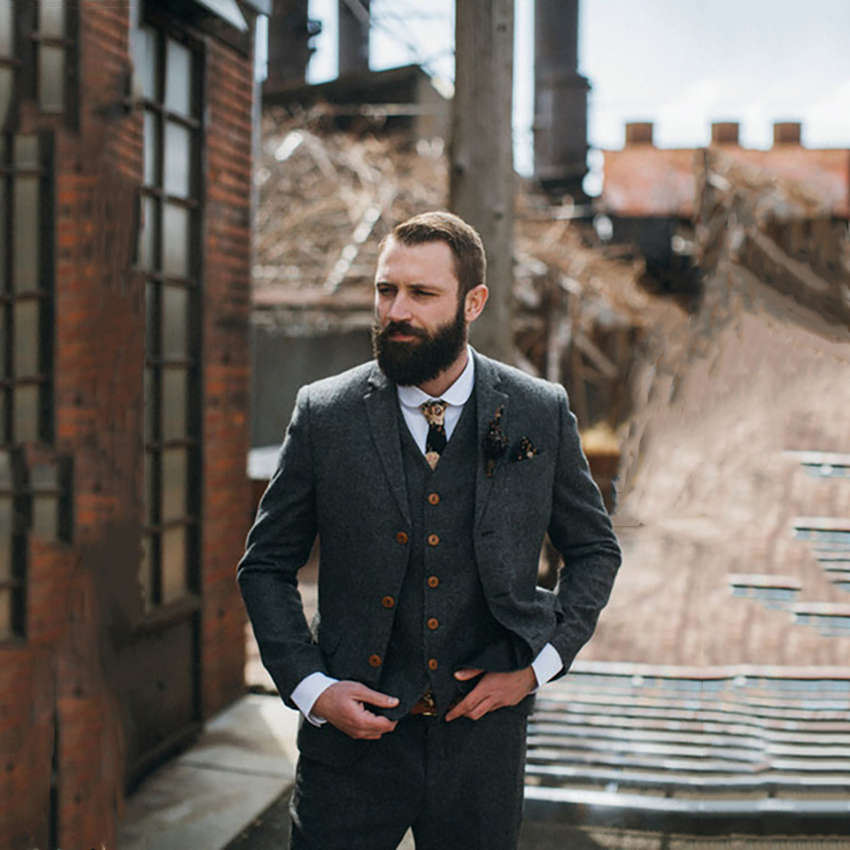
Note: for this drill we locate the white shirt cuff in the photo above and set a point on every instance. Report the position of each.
(546, 666)
(308, 690)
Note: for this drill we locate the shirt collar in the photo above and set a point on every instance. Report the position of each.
(457, 394)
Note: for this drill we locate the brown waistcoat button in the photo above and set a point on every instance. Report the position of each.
(388, 602)
(433, 664)
(433, 498)
(375, 660)
(433, 623)
(433, 581)
(433, 539)
(401, 537)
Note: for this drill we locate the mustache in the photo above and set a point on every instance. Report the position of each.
(402, 328)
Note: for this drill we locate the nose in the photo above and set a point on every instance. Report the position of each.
(398, 309)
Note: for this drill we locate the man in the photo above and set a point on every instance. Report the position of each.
(431, 477)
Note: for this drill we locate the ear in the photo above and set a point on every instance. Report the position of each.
(475, 300)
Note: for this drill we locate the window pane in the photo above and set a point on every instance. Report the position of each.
(5, 614)
(147, 571)
(178, 79)
(45, 519)
(150, 488)
(173, 564)
(174, 403)
(26, 152)
(44, 476)
(147, 235)
(26, 234)
(25, 411)
(51, 78)
(150, 64)
(174, 468)
(175, 309)
(6, 481)
(151, 321)
(178, 160)
(5, 538)
(5, 93)
(27, 339)
(4, 283)
(4, 309)
(175, 237)
(6, 29)
(51, 18)
(151, 147)
(150, 406)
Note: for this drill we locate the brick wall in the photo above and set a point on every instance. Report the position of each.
(56, 685)
(226, 355)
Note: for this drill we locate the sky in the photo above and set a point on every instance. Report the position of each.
(678, 63)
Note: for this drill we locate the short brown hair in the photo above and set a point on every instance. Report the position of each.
(467, 248)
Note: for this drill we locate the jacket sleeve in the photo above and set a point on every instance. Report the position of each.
(278, 545)
(581, 531)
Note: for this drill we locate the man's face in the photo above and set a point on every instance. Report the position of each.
(421, 324)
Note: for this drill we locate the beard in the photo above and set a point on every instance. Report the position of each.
(414, 363)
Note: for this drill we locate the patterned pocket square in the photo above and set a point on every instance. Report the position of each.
(524, 450)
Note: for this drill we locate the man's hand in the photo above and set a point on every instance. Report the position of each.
(495, 690)
(343, 704)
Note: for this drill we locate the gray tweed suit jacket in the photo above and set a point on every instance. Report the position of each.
(340, 476)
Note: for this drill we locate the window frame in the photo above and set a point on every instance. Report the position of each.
(157, 363)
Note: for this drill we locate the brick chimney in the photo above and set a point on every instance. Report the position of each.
(639, 133)
(724, 133)
(787, 133)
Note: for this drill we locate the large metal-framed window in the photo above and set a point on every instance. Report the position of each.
(54, 48)
(29, 498)
(12, 547)
(8, 62)
(26, 274)
(38, 57)
(169, 253)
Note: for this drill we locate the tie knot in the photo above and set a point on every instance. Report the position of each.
(434, 411)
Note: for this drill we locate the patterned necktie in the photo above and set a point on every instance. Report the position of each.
(435, 443)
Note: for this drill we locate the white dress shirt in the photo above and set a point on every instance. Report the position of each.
(548, 663)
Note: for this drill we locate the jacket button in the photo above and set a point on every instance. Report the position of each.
(433, 581)
(433, 539)
(401, 537)
(388, 602)
(432, 664)
(433, 498)
(433, 623)
(375, 660)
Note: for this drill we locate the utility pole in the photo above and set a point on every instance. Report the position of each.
(482, 177)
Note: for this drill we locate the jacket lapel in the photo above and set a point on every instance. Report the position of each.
(488, 400)
(382, 410)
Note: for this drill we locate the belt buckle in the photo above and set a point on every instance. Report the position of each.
(430, 709)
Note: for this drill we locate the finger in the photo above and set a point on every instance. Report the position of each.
(467, 673)
(483, 707)
(370, 697)
(463, 707)
(372, 729)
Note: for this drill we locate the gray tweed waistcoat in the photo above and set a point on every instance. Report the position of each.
(441, 615)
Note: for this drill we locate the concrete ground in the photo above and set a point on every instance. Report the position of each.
(243, 762)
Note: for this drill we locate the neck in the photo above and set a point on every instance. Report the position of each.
(437, 386)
